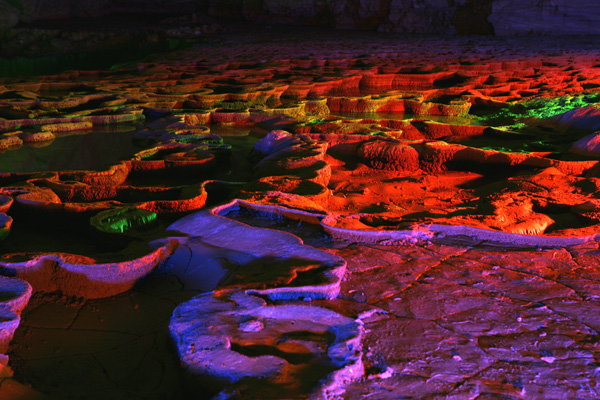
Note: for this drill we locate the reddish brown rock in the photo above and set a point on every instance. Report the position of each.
(382, 155)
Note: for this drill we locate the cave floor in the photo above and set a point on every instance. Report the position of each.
(455, 179)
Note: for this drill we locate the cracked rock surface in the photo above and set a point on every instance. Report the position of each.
(462, 322)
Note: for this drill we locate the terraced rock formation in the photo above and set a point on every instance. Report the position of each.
(321, 216)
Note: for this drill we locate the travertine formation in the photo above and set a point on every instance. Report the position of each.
(294, 349)
(442, 195)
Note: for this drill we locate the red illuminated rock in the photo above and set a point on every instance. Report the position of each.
(513, 212)
(410, 166)
(392, 156)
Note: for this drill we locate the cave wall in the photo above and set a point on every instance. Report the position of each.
(26, 11)
(570, 17)
(502, 17)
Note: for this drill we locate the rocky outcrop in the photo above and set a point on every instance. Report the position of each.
(545, 16)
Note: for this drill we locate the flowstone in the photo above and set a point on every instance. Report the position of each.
(14, 295)
(264, 262)
(253, 348)
(431, 177)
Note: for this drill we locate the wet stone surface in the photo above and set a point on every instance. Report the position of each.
(430, 202)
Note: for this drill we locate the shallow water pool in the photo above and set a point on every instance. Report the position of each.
(95, 150)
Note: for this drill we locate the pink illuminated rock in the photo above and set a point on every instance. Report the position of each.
(81, 276)
(231, 337)
(14, 295)
(588, 145)
(264, 262)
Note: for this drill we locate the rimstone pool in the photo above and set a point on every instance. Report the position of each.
(306, 214)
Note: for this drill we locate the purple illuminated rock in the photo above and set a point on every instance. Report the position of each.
(585, 119)
(588, 145)
(511, 17)
(276, 141)
(80, 276)
(9, 322)
(14, 295)
(265, 262)
(233, 337)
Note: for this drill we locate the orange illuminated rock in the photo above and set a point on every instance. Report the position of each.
(67, 126)
(9, 140)
(43, 136)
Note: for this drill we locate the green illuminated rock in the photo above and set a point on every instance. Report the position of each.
(123, 220)
(540, 109)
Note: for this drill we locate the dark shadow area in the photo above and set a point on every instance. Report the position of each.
(88, 350)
